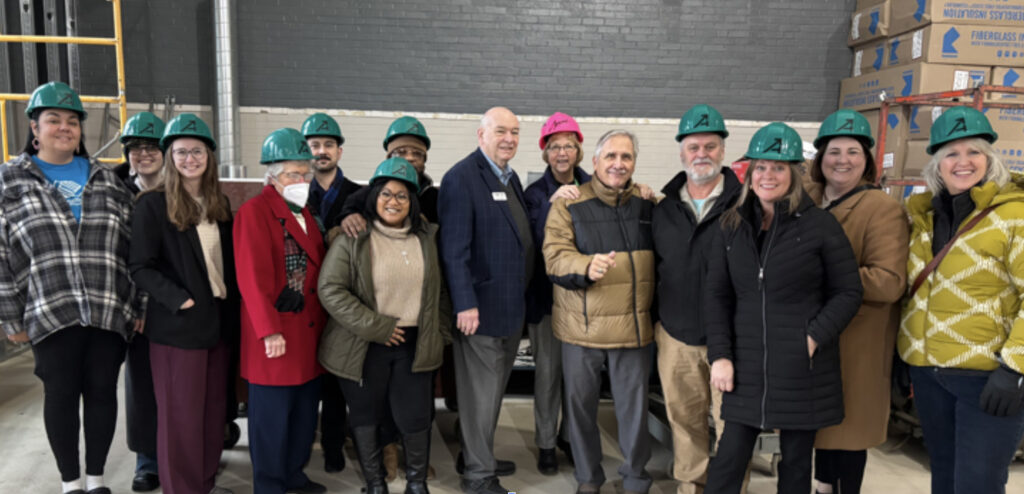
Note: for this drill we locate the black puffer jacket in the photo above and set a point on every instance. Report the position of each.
(764, 302)
(680, 246)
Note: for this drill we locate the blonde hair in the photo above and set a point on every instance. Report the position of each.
(995, 172)
(731, 219)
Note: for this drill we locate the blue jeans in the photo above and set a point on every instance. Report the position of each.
(970, 450)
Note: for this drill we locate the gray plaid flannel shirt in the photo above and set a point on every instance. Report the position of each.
(56, 272)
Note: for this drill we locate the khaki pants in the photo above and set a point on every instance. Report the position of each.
(685, 376)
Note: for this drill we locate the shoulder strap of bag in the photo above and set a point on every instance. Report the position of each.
(945, 250)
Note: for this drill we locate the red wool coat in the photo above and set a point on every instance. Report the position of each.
(259, 262)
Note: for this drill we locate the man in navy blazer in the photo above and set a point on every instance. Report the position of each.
(488, 255)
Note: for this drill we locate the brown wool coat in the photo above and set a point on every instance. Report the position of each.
(877, 227)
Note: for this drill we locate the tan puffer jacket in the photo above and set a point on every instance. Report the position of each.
(614, 312)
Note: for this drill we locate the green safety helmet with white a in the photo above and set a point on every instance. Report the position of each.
(187, 125)
(957, 123)
(701, 119)
(406, 126)
(55, 94)
(778, 142)
(399, 169)
(322, 125)
(844, 123)
(285, 144)
(143, 125)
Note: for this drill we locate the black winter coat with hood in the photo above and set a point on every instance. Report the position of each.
(765, 298)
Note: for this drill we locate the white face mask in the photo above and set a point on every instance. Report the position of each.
(296, 194)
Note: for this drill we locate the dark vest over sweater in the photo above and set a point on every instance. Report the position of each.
(523, 224)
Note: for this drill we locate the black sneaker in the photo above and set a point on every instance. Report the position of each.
(310, 488)
(547, 462)
(488, 485)
(145, 482)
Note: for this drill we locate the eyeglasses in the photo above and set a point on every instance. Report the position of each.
(144, 149)
(568, 148)
(183, 154)
(401, 197)
(407, 151)
(296, 176)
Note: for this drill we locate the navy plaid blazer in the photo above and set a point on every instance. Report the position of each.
(481, 248)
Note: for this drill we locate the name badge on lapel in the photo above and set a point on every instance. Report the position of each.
(499, 196)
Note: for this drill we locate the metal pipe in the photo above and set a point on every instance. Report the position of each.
(81, 40)
(53, 66)
(85, 99)
(226, 107)
(74, 64)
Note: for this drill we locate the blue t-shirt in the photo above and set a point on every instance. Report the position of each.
(69, 179)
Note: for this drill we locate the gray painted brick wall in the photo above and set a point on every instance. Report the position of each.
(753, 59)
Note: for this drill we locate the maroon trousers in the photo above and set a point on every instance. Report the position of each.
(191, 396)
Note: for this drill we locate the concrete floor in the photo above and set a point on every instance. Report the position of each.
(27, 466)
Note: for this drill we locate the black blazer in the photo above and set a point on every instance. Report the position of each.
(168, 264)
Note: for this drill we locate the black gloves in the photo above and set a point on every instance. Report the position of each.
(1003, 394)
(290, 300)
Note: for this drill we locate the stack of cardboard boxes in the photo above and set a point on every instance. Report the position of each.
(908, 47)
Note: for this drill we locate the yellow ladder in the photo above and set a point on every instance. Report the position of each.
(117, 42)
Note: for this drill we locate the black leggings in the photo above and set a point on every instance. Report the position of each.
(843, 469)
(79, 365)
(389, 384)
(729, 466)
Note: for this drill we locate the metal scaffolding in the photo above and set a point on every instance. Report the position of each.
(27, 39)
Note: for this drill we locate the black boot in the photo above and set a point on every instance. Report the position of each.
(417, 457)
(368, 449)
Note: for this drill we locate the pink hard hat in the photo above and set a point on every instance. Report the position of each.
(559, 122)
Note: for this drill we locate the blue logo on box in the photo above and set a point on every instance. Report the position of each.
(908, 83)
(1010, 78)
(893, 57)
(893, 121)
(879, 54)
(919, 13)
(873, 28)
(913, 119)
(948, 50)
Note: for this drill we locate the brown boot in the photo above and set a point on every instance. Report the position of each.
(390, 454)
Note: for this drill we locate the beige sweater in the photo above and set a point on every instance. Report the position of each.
(397, 259)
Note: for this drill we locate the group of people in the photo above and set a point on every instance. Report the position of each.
(775, 300)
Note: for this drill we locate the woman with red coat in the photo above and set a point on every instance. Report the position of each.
(278, 251)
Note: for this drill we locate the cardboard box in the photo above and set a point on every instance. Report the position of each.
(862, 93)
(1009, 124)
(869, 58)
(865, 4)
(958, 44)
(895, 139)
(1007, 76)
(920, 121)
(869, 24)
(906, 15)
(915, 158)
(1012, 153)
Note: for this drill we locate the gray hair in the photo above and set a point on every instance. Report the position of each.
(273, 170)
(996, 172)
(614, 133)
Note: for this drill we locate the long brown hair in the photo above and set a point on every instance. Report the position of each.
(183, 211)
(731, 219)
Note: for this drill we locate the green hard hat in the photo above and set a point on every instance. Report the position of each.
(143, 125)
(397, 168)
(844, 123)
(406, 126)
(699, 119)
(55, 94)
(959, 122)
(285, 144)
(776, 141)
(322, 125)
(187, 125)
